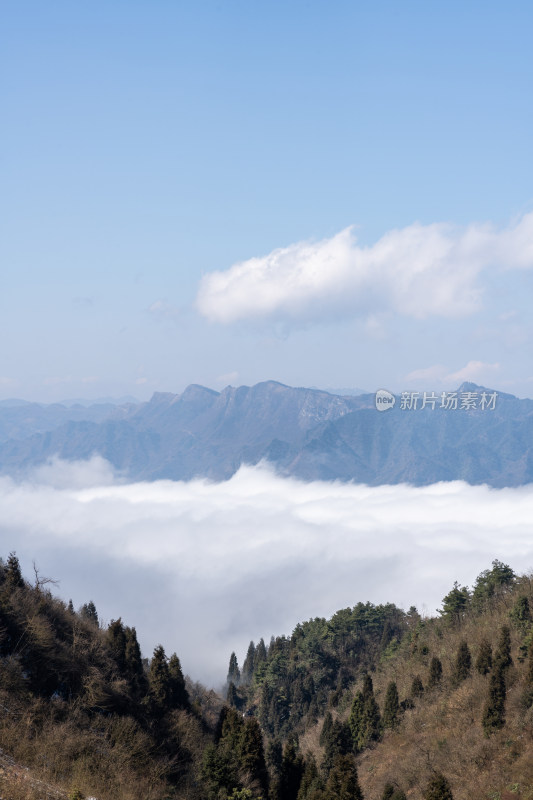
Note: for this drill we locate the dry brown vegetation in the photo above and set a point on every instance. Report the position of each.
(444, 731)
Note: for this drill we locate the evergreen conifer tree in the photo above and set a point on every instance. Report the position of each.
(252, 755)
(88, 612)
(160, 690)
(355, 721)
(438, 789)
(435, 672)
(417, 687)
(502, 656)
(484, 657)
(391, 708)
(248, 665)
(134, 665)
(343, 782)
(463, 662)
(13, 574)
(234, 673)
(260, 654)
(292, 770)
(494, 712)
(231, 695)
(70, 607)
(326, 729)
(116, 638)
(179, 697)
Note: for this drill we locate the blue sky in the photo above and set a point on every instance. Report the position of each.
(149, 146)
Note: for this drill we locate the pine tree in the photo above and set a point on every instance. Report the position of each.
(13, 574)
(179, 697)
(292, 769)
(528, 694)
(232, 697)
(234, 673)
(438, 789)
(417, 687)
(484, 657)
(134, 665)
(343, 782)
(338, 743)
(311, 782)
(463, 663)
(260, 654)
(248, 665)
(494, 712)
(70, 607)
(252, 755)
(502, 656)
(116, 638)
(355, 721)
(160, 690)
(88, 612)
(435, 672)
(391, 708)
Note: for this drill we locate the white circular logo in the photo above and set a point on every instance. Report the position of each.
(384, 400)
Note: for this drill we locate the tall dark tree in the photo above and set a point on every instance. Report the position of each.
(252, 755)
(248, 665)
(343, 782)
(355, 721)
(435, 672)
(484, 657)
(134, 664)
(417, 687)
(231, 696)
(160, 690)
(502, 655)
(179, 697)
(116, 638)
(234, 673)
(494, 711)
(260, 654)
(13, 573)
(88, 612)
(338, 743)
(292, 770)
(463, 663)
(391, 707)
(438, 789)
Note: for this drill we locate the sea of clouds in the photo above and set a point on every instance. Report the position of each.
(205, 567)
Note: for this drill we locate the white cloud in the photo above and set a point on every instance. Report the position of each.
(438, 374)
(474, 371)
(418, 271)
(204, 568)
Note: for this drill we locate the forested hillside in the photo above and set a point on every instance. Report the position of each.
(375, 703)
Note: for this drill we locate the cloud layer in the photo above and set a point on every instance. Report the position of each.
(418, 271)
(204, 568)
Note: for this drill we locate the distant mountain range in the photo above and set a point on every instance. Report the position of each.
(307, 433)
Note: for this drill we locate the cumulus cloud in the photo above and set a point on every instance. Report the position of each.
(204, 568)
(418, 271)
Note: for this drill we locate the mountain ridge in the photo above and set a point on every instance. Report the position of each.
(305, 433)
